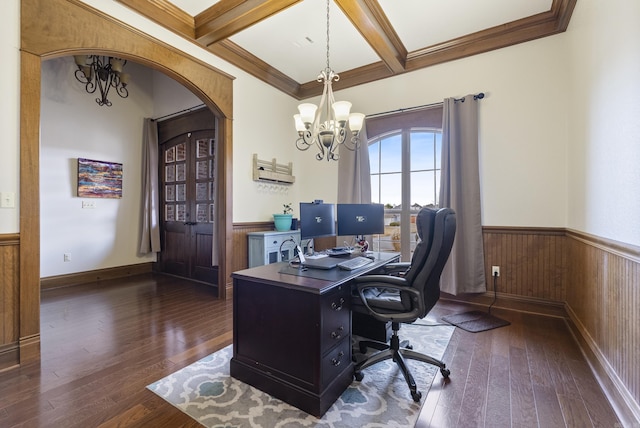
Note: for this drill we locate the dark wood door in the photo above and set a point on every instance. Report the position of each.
(187, 167)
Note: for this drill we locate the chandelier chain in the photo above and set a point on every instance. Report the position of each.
(328, 67)
(324, 126)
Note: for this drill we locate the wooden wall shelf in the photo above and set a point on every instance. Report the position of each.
(272, 171)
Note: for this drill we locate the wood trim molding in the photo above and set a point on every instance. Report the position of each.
(9, 356)
(166, 14)
(67, 280)
(602, 303)
(628, 251)
(73, 27)
(212, 28)
(10, 239)
(618, 394)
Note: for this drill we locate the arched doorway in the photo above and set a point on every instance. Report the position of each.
(74, 28)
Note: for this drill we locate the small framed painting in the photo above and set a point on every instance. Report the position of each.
(99, 179)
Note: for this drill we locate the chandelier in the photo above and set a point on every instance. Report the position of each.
(327, 129)
(104, 73)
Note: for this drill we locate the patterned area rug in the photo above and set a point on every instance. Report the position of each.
(205, 391)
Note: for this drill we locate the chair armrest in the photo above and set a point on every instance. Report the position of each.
(387, 281)
(394, 283)
(395, 268)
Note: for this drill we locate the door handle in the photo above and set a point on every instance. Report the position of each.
(190, 223)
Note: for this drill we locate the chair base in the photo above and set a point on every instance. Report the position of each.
(398, 352)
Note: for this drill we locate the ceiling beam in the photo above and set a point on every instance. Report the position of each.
(234, 54)
(369, 19)
(225, 18)
(228, 17)
(164, 13)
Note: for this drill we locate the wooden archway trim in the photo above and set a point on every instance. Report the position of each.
(53, 28)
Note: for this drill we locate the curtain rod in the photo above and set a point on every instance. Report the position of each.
(401, 110)
(187, 110)
(477, 96)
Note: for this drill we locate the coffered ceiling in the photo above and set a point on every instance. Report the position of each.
(283, 42)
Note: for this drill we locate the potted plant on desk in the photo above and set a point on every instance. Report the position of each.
(283, 221)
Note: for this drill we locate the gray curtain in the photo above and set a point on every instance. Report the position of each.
(460, 190)
(150, 234)
(354, 180)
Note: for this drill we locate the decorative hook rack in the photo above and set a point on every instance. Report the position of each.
(272, 171)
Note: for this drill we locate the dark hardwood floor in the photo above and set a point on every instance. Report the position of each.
(102, 343)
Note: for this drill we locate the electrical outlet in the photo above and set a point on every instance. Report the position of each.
(495, 270)
(67, 257)
(7, 200)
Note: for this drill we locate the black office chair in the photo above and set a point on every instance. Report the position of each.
(409, 296)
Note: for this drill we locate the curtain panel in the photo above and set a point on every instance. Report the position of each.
(354, 181)
(460, 190)
(150, 233)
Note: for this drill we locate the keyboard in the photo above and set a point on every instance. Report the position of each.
(354, 263)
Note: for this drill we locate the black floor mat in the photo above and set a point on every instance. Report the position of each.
(475, 321)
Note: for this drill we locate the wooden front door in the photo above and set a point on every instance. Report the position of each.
(187, 168)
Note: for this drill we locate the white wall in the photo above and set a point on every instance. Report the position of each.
(522, 120)
(170, 97)
(559, 129)
(9, 111)
(604, 112)
(74, 126)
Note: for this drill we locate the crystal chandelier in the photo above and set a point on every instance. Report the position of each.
(327, 129)
(104, 73)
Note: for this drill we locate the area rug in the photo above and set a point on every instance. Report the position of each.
(205, 391)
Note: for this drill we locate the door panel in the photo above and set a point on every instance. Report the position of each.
(187, 202)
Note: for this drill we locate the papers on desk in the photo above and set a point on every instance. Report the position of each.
(317, 256)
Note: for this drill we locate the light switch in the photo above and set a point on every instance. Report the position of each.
(89, 204)
(7, 199)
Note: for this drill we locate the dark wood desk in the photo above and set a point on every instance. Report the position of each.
(292, 332)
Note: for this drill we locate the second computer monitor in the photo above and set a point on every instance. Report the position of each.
(316, 220)
(360, 219)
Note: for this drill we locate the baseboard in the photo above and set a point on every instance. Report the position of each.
(29, 349)
(94, 275)
(9, 356)
(512, 303)
(626, 408)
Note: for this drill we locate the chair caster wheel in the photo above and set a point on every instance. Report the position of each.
(416, 396)
(358, 376)
(445, 373)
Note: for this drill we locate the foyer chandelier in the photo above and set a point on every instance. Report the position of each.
(325, 125)
(104, 73)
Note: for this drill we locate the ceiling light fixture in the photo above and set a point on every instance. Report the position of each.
(327, 129)
(103, 72)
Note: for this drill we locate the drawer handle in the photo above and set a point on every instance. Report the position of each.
(337, 334)
(337, 361)
(337, 306)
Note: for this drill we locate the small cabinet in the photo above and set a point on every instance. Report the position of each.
(272, 246)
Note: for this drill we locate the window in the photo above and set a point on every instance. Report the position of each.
(405, 175)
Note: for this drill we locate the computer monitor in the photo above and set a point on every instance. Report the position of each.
(360, 219)
(317, 219)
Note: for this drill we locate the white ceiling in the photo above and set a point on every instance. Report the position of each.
(294, 40)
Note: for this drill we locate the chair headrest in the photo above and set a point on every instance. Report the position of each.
(424, 219)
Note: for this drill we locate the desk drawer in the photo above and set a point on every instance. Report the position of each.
(335, 362)
(336, 319)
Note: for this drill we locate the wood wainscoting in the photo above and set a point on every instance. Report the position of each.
(592, 283)
(603, 303)
(240, 256)
(9, 300)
